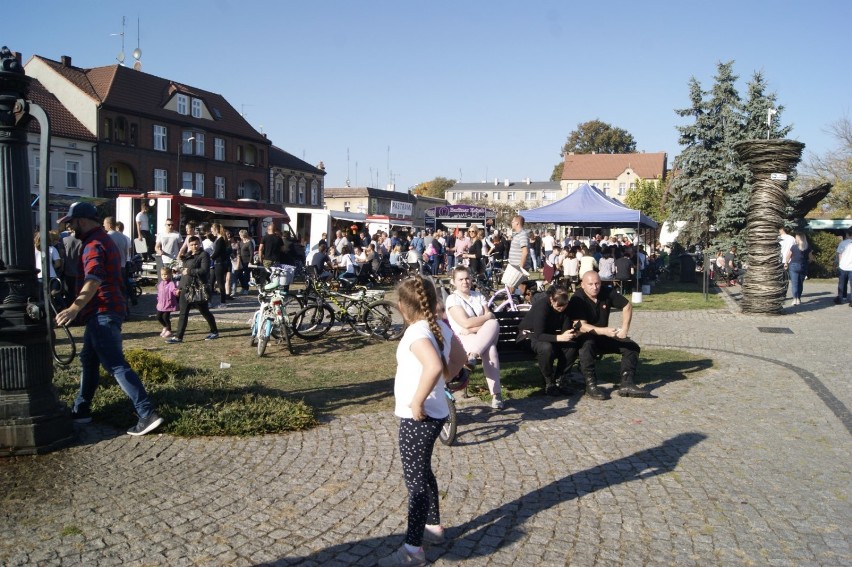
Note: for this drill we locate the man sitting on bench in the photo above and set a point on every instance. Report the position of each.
(591, 305)
(548, 326)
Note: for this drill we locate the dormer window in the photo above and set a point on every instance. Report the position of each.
(182, 104)
(196, 108)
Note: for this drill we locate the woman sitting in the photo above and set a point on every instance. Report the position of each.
(477, 329)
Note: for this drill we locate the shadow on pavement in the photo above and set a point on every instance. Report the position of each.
(503, 526)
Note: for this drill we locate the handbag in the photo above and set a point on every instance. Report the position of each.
(196, 292)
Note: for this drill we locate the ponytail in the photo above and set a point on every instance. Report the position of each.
(419, 300)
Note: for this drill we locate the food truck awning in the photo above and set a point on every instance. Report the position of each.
(237, 211)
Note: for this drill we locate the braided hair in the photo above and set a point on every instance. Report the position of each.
(418, 300)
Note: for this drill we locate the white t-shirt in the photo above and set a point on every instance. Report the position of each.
(170, 242)
(348, 261)
(408, 370)
(787, 242)
(142, 220)
(474, 306)
(547, 243)
(54, 257)
(844, 254)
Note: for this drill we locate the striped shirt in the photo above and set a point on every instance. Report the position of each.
(520, 240)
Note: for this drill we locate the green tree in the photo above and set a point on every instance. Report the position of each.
(835, 167)
(594, 136)
(647, 196)
(435, 188)
(731, 218)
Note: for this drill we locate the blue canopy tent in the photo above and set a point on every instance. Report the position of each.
(588, 206)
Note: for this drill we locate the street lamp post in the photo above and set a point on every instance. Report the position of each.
(180, 151)
(32, 420)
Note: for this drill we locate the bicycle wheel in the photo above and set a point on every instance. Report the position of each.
(62, 345)
(287, 331)
(448, 431)
(292, 305)
(382, 319)
(313, 322)
(255, 325)
(500, 301)
(263, 336)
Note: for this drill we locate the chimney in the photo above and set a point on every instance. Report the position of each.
(66, 60)
(496, 182)
(506, 182)
(528, 180)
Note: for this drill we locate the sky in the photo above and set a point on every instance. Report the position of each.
(402, 91)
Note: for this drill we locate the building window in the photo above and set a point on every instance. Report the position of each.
(159, 138)
(346, 206)
(606, 188)
(510, 196)
(495, 196)
(134, 134)
(547, 195)
(291, 198)
(199, 184)
(199, 144)
(457, 196)
(72, 173)
(530, 196)
(219, 149)
(633, 186)
(186, 143)
(37, 175)
(314, 192)
(121, 129)
(479, 196)
(278, 191)
(186, 180)
(112, 177)
(182, 103)
(220, 187)
(160, 180)
(107, 129)
(301, 191)
(196, 108)
(569, 186)
(622, 189)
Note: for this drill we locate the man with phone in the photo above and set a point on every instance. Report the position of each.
(553, 337)
(592, 304)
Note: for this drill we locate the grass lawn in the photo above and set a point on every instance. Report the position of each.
(342, 373)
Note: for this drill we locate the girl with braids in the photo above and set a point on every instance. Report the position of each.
(427, 354)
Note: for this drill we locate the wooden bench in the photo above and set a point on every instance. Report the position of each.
(508, 348)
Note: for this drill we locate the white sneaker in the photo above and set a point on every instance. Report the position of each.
(497, 401)
(402, 558)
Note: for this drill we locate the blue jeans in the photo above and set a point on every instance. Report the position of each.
(797, 273)
(844, 278)
(102, 347)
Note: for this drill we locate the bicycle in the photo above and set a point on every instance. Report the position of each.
(63, 349)
(366, 312)
(271, 321)
(459, 382)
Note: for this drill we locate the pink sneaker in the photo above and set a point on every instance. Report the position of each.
(167, 334)
(163, 332)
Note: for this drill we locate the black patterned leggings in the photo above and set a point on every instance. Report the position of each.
(416, 442)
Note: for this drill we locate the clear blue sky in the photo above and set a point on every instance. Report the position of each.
(469, 89)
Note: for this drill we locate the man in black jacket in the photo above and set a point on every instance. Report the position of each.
(591, 305)
(548, 326)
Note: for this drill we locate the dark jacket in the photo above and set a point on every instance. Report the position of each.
(198, 266)
(542, 322)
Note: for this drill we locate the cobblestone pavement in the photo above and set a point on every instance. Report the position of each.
(742, 458)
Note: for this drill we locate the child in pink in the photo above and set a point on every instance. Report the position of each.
(167, 301)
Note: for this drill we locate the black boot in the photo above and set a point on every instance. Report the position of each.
(550, 388)
(628, 389)
(592, 389)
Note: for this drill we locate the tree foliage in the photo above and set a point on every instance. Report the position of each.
(647, 196)
(834, 167)
(435, 188)
(709, 189)
(597, 137)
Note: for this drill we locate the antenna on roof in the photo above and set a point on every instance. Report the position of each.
(137, 53)
(120, 56)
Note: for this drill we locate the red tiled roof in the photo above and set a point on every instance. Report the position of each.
(586, 167)
(123, 89)
(62, 122)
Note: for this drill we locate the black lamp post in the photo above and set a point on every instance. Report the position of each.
(32, 420)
